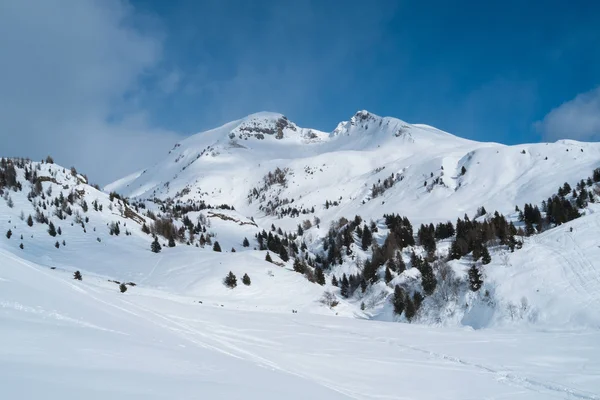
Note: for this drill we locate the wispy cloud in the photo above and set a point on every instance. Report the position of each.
(66, 75)
(578, 119)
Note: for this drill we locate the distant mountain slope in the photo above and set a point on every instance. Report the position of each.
(423, 167)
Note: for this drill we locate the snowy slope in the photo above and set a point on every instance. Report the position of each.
(425, 166)
(65, 339)
(225, 164)
(185, 270)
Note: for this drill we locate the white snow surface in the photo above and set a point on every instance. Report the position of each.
(66, 339)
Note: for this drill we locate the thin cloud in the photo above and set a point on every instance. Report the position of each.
(66, 75)
(577, 119)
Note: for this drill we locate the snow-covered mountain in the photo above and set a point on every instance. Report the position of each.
(378, 220)
(422, 165)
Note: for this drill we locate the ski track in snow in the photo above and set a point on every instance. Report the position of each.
(501, 375)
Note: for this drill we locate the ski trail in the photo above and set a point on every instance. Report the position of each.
(186, 332)
(229, 349)
(507, 377)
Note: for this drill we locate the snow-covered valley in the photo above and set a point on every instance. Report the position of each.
(69, 339)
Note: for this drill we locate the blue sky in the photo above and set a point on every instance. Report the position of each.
(481, 70)
(122, 80)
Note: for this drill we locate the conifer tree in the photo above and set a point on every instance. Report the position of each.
(51, 229)
(283, 254)
(217, 247)
(334, 281)
(319, 276)
(399, 300)
(475, 278)
(363, 285)
(345, 287)
(417, 300)
(230, 280)
(155, 246)
(30, 220)
(455, 251)
(485, 256)
(246, 280)
(388, 275)
(9, 234)
(299, 266)
(370, 271)
(268, 258)
(21, 246)
(123, 287)
(171, 241)
(367, 238)
(77, 275)
(428, 280)
(245, 243)
(409, 310)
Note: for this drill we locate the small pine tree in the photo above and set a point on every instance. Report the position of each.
(334, 281)
(363, 285)
(77, 275)
(21, 246)
(51, 229)
(57, 245)
(345, 287)
(245, 243)
(455, 252)
(123, 287)
(485, 256)
(399, 300)
(59, 231)
(268, 258)
(463, 170)
(9, 234)
(409, 311)
(299, 266)
(388, 275)
(230, 280)
(319, 276)
(30, 220)
(217, 247)
(246, 280)
(283, 254)
(475, 278)
(155, 246)
(417, 300)
(428, 280)
(233, 250)
(172, 241)
(367, 238)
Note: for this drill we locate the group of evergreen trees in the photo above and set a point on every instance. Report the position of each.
(272, 242)
(380, 187)
(473, 236)
(404, 303)
(231, 280)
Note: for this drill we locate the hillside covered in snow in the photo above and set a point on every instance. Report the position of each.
(260, 236)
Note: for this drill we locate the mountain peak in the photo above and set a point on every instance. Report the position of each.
(264, 124)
